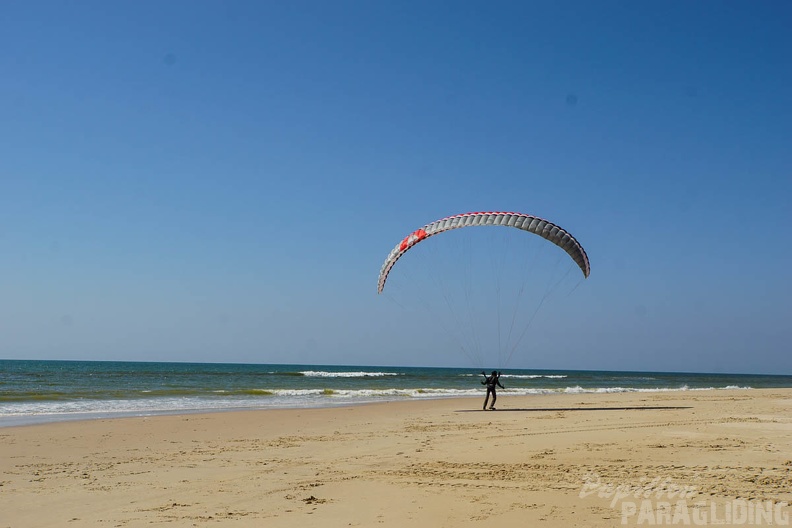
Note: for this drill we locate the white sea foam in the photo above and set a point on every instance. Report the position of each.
(533, 376)
(15, 413)
(358, 374)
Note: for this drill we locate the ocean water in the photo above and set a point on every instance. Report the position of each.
(44, 391)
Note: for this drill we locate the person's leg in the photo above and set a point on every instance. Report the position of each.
(494, 397)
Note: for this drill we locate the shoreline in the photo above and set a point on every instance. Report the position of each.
(442, 462)
(44, 418)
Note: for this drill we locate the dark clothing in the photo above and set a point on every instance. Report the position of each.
(491, 382)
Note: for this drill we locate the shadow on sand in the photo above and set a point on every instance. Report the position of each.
(550, 409)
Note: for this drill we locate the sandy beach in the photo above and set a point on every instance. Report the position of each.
(560, 460)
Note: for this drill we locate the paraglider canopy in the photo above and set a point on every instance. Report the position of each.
(526, 222)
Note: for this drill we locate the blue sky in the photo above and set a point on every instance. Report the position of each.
(207, 181)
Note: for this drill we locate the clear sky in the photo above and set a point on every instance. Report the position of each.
(221, 181)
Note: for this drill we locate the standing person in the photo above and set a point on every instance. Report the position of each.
(491, 382)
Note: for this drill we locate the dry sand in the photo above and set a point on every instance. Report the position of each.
(537, 461)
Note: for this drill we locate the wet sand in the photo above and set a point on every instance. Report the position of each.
(559, 460)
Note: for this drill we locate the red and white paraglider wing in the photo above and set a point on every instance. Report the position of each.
(525, 222)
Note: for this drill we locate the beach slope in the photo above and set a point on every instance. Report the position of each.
(558, 460)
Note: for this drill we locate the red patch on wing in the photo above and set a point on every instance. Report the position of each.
(412, 239)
